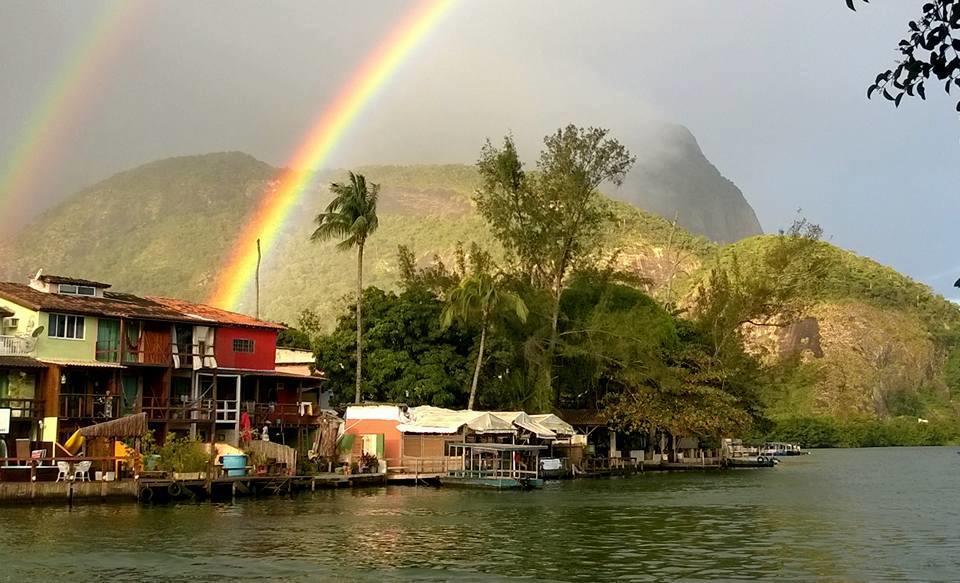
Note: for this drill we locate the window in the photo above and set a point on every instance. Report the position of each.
(77, 290)
(242, 345)
(66, 326)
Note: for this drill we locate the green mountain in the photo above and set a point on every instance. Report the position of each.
(876, 343)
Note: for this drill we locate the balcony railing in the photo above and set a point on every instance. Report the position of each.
(23, 408)
(137, 354)
(173, 410)
(288, 413)
(83, 406)
(17, 345)
(108, 351)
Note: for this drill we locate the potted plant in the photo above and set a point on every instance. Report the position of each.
(259, 461)
(186, 459)
(368, 463)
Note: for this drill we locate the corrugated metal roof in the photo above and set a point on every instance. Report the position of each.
(81, 363)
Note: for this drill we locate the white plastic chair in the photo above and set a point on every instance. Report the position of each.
(63, 471)
(82, 471)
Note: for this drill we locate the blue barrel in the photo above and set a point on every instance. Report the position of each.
(235, 464)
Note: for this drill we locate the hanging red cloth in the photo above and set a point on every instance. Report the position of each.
(246, 427)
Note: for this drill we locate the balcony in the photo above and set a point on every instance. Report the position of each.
(173, 410)
(286, 413)
(17, 345)
(84, 406)
(23, 408)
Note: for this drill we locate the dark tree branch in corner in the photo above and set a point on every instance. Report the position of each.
(932, 51)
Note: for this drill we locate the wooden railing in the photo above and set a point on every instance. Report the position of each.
(17, 345)
(23, 408)
(85, 406)
(289, 413)
(107, 351)
(425, 465)
(139, 355)
(166, 410)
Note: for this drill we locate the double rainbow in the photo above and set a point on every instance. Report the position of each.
(275, 205)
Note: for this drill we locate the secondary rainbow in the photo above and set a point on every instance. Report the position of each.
(60, 110)
(274, 207)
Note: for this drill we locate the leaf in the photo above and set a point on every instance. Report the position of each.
(921, 91)
(873, 88)
(851, 6)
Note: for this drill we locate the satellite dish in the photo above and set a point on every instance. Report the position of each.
(37, 332)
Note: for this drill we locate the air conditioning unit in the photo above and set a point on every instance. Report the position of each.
(11, 323)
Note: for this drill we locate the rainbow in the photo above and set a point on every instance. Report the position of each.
(50, 123)
(275, 205)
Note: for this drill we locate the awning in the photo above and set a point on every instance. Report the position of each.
(446, 421)
(527, 423)
(129, 426)
(555, 424)
(82, 363)
(20, 362)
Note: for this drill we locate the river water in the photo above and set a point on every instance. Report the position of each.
(837, 515)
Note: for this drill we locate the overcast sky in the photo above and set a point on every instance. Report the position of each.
(773, 91)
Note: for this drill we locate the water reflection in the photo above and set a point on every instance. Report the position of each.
(843, 515)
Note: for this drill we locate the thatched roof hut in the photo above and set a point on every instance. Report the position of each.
(129, 426)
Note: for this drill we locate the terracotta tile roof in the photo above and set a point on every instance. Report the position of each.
(72, 281)
(212, 314)
(20, 362)
(123, 305)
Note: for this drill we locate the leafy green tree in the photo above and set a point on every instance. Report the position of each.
(551, 220)
(352, 217)
(410, 357)
(481, 299)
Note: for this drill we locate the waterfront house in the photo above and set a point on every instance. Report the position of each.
(415, 441)
(73, 352)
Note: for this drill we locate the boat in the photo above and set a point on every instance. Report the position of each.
(496, 466)
(781, 449)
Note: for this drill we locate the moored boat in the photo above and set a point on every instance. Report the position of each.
(496, 466)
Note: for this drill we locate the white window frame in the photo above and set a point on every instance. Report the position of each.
(69, 289)
(61, 334)
(244, 342)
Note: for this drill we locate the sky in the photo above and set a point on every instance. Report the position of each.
(773, 91)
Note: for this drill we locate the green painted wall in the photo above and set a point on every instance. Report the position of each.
(64, 349)
(58, 348)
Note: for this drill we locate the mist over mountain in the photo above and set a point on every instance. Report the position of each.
(673, 178)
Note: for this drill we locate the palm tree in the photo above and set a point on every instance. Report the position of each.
(478, 298)
(352, 217)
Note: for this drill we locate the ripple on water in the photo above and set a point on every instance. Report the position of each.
(834, 516)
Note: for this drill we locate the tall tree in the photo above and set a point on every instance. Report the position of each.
(552, 219)
(480, 299)
(352, 217)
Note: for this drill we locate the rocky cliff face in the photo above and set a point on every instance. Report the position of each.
(673, 178)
